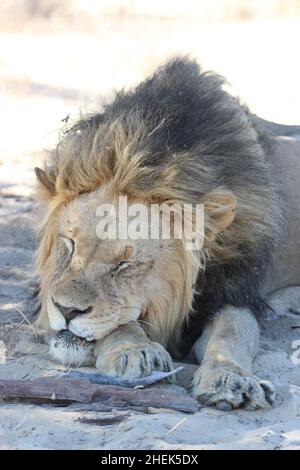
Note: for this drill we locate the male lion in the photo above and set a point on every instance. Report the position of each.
(180, 138)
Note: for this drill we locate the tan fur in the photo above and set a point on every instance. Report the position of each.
(226, 351)
(127, 353)
(174, 272)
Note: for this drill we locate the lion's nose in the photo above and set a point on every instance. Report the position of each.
(71, 312)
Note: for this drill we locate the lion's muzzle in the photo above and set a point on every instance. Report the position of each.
(70, 313)
(69, 349)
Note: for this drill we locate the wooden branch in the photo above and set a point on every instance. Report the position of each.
(108, 421)
(61, 390)
(100, 407)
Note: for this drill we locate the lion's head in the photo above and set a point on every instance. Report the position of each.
(91, 285)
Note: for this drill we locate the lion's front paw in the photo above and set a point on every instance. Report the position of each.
(228, 390)
(135, 361)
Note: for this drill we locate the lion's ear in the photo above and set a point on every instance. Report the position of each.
(46, 181)
(219, 212)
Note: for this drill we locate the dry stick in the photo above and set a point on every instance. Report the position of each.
(20, 424)
(27, 321)
(58, 390)
(176, 426)
(108, 421)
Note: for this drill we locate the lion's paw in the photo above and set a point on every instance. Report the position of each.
(228, 390)
(135, 361)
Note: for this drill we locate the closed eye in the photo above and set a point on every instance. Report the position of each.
(120, 267)
(70, 244)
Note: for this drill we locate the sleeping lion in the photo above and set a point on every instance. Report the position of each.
(129, 304)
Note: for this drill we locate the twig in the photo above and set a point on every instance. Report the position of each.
(176, 426)
(20, 424)
(27, 321)
(157, 127)
(108, 421)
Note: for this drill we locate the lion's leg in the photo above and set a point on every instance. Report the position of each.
(127, 352)
(226, 351)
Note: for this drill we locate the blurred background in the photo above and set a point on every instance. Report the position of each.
(58, 57)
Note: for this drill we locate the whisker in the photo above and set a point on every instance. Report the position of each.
(137, 308)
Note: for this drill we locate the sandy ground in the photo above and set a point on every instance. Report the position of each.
(44, 78)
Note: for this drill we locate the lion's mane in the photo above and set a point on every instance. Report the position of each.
(178, 137)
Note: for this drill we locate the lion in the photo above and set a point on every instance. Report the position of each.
(130, 306)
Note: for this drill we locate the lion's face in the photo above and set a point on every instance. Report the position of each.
(95, 284)
(91, 285)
